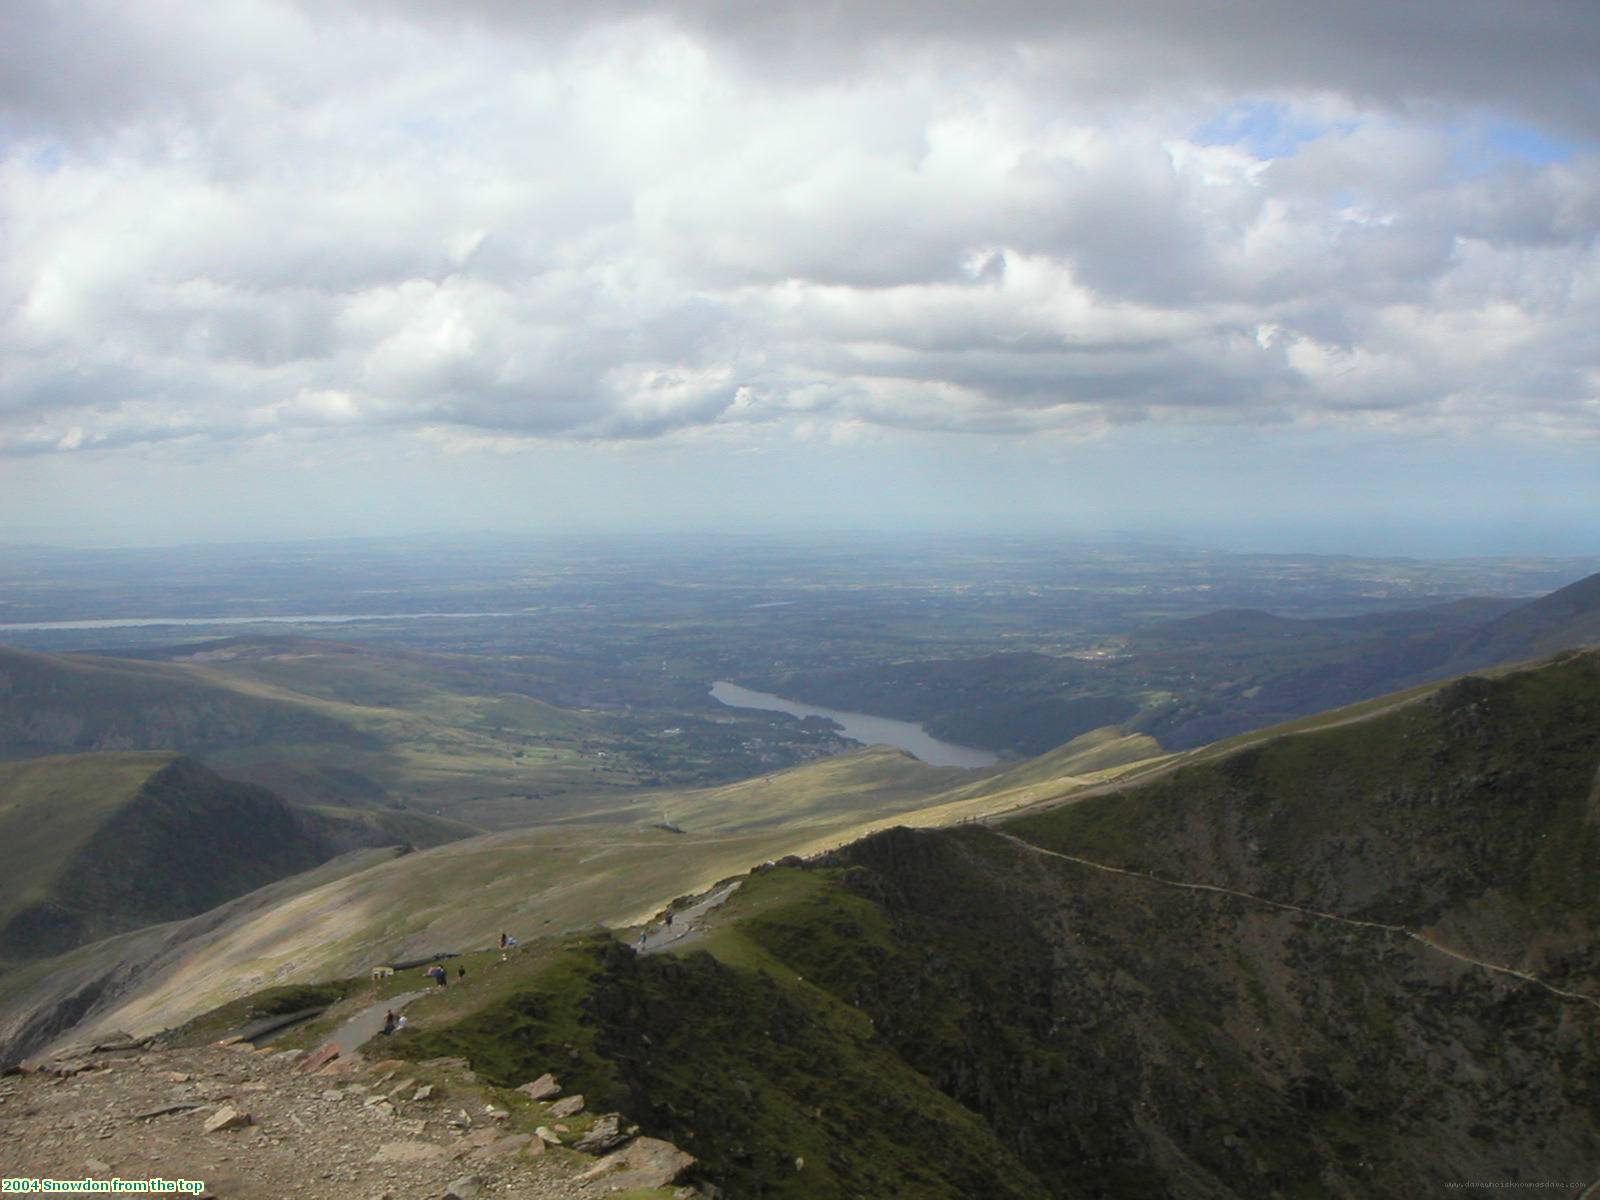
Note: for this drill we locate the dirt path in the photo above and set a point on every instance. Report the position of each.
(1398, 930)
(367, 1023)
(686, 923)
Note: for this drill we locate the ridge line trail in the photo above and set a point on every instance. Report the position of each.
(1421, 938)
(1172, 763)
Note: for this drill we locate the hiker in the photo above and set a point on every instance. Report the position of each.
(669, 918)
(388, 1023)
(401, 1023)
(502, 941)
(461, 972)
(642, 934)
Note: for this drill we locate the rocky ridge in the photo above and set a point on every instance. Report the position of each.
(256, 1123)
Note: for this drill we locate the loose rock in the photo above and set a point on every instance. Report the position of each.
(542, 1088)
(226, 1118)
(568, 1107)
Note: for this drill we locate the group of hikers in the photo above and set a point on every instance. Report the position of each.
(440, 976)
(644, 934)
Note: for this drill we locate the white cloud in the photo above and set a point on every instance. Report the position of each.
(254, 219)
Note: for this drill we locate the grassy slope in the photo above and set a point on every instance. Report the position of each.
(391, 826)
(877, 781)
(317, 723)
(781, 1089)
(66, 703)
(943, 1014)
(51, 807)
(1471, 810)
(41, 1000)
(555, 878)
(107, 846)
(568, 877)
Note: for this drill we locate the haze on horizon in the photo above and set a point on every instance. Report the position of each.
(1288, 276)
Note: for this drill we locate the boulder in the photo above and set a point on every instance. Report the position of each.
(542, 1088)
(569, 1106)
(643, 1163)
(423, 1092)
(606, 1134)
(465, 1188)
(226, 1118)
(548, 1136)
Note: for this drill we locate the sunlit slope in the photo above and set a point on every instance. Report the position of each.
(538, 881)
(875, 781)
(42, 1000)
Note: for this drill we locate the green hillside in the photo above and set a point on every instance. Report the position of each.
(56, 704)
(104, 843)
(323, 723)
(959, 1012)
(1566, 618)
(1471, 810)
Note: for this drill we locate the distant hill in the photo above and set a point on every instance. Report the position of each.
(99, 844)
(1257, 670)
(60, 703)
(1565, 619)
(318, 722)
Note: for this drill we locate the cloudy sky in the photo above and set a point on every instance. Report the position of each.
(1284, 273)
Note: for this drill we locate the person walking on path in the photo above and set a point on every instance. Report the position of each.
(388, 1023)
(643, 934)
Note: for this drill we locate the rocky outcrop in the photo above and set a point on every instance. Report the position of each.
(252, 1126)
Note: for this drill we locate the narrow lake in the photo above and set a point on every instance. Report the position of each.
(863, 728)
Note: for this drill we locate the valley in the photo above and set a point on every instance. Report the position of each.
(1134, 962)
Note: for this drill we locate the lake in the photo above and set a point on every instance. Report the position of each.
(863, 728)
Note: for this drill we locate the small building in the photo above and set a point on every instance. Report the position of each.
(382, 972)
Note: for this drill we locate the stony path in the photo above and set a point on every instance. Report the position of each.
(1380, 926)
(263, 1124)
(355, 1131)
(685, 923)
(367, 1024)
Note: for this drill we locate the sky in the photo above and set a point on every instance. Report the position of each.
(1271, 274)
